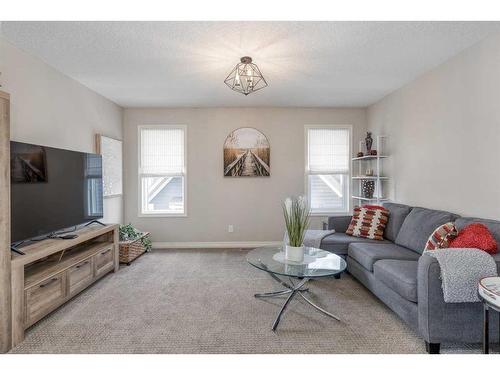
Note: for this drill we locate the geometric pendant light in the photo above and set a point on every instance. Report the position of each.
(245, 77)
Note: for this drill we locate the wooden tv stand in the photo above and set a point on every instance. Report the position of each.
(54, 270)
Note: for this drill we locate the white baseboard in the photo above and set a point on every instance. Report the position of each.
(213, 245)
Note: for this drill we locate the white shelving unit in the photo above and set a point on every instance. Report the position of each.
(369, 157)
(374, 162)
(370, 177)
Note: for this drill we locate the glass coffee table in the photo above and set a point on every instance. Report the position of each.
(317, 263)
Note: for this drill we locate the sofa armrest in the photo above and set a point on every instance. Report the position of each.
(431, 305)
(437, 320)
(339, 223)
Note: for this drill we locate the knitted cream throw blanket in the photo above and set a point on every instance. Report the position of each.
(461, 270)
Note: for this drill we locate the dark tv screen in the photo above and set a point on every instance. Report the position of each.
(52, 189)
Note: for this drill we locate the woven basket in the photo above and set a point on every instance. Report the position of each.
(130, 250)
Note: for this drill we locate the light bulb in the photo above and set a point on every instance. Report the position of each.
(237, 79)
(249, 76)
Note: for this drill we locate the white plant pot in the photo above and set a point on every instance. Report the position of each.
(294, 253)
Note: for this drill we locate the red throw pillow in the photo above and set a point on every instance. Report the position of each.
(477, 236)
(368, 222)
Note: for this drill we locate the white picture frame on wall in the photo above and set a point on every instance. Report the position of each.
(112, 165)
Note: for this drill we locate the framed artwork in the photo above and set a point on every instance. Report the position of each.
(112, 164)
(246, 154)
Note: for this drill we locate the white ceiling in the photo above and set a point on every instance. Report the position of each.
(307, 64)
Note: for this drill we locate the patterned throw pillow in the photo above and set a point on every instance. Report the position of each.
(368, 222)
(441, 237)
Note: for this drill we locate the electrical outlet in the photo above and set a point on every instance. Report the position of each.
(230, 228)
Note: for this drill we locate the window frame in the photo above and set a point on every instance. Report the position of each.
(348, 174)
(89, 199)
(140, 213)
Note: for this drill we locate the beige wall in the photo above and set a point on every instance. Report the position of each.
(444, 133)
(252, 205)
(52, 109)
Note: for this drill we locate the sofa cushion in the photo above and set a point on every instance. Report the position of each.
(399, 275)
(338, 243)
(367, 254)
(492, 225)
(397, 214)
(419, 225)
(339, 223)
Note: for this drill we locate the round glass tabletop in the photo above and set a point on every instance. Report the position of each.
(317, 262)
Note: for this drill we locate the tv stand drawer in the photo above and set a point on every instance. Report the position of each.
(44, 297)
(80, 276)
(103, 261)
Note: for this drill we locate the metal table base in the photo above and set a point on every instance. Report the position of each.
(486, 324)
(292, 289)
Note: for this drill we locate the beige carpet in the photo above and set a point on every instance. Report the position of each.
(201, 301)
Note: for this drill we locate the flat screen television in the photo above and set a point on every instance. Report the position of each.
(52, 189)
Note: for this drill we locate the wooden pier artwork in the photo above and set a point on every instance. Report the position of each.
(246, 154)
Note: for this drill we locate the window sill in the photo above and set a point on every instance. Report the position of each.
(320, 214)
(162, 215)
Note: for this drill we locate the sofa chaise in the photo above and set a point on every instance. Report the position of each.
(407, 281)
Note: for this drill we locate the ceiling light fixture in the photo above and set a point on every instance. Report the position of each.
(245, 77)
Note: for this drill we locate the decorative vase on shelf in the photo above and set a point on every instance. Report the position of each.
(294, 253)
(368, 142)
(368, 188)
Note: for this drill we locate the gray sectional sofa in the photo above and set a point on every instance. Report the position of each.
(407, 281)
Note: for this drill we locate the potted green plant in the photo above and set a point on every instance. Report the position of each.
(133, 243)
(296, 215)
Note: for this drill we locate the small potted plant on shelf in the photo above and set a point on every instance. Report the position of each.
(296, 215)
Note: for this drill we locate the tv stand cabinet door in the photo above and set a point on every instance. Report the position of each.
(44, 297)
(80, 276)
(104, 261)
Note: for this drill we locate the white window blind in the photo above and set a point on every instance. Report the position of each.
(162, 170)
(328, 169)
(162, 151)
(328, 150)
